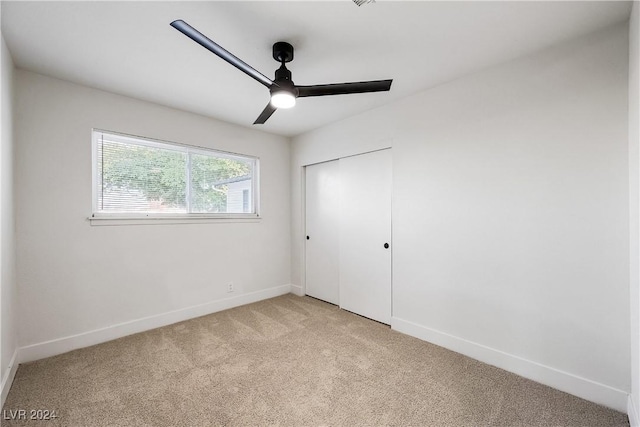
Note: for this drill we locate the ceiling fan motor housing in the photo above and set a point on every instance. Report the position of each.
(285, 84)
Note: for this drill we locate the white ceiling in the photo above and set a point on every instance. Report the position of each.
(129, 48)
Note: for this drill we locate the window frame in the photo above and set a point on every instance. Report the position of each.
(127, 218)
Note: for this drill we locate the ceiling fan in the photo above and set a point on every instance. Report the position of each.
(283, 91)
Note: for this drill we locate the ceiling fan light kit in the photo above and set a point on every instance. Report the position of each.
(282, 89)
(282, 99)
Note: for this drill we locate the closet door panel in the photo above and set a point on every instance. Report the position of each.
(323, 231)
(365, 235)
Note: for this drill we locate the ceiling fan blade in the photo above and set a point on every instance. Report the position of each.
(266, 113)
(344, 88)
(209, 44)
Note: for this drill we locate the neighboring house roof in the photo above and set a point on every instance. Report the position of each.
(232, 180)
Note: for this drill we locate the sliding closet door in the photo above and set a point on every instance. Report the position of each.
(323, 231)
(365, 235)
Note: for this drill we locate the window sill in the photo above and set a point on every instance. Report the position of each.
(107, 220)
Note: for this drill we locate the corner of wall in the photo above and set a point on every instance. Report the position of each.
(634, 212)
(632, 412)
(7, 378)
(8, 287)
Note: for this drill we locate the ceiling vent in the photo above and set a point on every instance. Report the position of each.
(361, 2)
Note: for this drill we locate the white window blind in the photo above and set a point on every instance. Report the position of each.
(144, 177)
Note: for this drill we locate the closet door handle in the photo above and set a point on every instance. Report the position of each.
(386, 246)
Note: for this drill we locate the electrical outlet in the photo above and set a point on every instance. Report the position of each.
(230, 287)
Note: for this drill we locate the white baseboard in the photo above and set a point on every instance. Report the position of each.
(564, 381)
(8, 377)
(86, 339)
(632, 412)
(297, 290)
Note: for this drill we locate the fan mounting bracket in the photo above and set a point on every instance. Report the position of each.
(282, 52)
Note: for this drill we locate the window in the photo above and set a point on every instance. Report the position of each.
(139, 177)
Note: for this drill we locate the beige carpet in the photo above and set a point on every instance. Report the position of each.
(286, 361)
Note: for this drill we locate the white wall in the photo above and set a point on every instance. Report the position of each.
(8, 287)
(76, 278)
(634, 211)
(510, 213)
